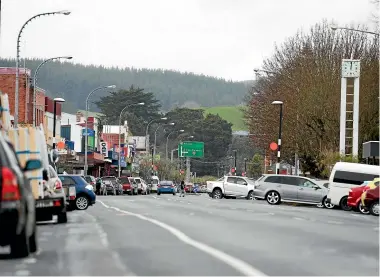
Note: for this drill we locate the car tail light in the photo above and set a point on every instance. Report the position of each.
(57, 185)
(10, 191)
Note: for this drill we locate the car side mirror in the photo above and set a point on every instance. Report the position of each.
(316, 187)
(32, 165)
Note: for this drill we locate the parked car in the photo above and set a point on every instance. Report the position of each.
(85, 195)
(370, 200)
(91, 180)
(288, 188)
(110, 187)
(166, 187)
(141, 185)
(354, 195)
(17, 204)
(135, 189)
(345, 176)
(127, 184)
(231, 186)
(116, 184)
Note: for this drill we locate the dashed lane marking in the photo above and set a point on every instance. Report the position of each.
(233, 262)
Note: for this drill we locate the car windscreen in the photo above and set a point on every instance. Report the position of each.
(138, 181)
(88, 179)
(155, 181)
(166, 183)
(124, 180)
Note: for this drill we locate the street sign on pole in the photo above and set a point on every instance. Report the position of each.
(191, 149)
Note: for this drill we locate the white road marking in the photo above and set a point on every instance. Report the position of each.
(271, 213)
(298, 218)
(47, 233)
(233, 262)
(29, 261)
(191, 213)
(334, 222)
(22, 273)
(376, 228)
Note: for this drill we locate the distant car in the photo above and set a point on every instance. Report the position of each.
(370, 200)
(154, 182)
(85, 195)
(166, 187)
(115, 182)
(141, 185)
(288, 188)
(91, 180)
(17, 204)
(127, 185)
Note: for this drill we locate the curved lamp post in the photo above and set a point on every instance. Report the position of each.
(167, 139)
(86, 129)
(18, 57)
(155, 135)
(35, 82)
(279, 136)
(121, 113)
(335, 27)
(147, 130)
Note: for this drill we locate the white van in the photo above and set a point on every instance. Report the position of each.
(344, 176)
(154, 182)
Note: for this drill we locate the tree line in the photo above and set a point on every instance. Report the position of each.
(172, 88)
(305, 73)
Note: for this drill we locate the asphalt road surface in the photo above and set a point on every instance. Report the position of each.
(196, 235)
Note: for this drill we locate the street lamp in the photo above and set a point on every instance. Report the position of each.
(155, 135)
(147, 130)
(335, 27)
(86, 132)
(35, 82)
(56, 100)
(121, 113)
(18, 56)
(167, 139)
(245, 166)
(279, 136)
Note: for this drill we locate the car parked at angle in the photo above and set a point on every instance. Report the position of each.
(166, 187)
(118, 187)
(85, 195)
(344, 176)
(354, 195)
(17, 203)
(288, 188)
(231, 186)
(370, 200)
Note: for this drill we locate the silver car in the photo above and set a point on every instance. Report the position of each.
(287, 188)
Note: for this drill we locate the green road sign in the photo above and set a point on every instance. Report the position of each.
(191, 149)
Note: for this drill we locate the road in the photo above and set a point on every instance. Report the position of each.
(196, 235)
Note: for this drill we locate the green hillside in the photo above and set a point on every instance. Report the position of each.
(232, 114)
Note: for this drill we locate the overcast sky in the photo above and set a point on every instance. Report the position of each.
(223, 38)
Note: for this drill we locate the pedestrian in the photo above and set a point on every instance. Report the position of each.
(182, 189)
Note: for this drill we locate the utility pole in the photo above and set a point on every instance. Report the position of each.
(235, 151)
(152, 152)
(187, 179)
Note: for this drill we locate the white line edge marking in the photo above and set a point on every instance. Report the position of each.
(233, 262)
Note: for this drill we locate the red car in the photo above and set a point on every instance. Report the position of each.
(354, 197)
(371, 201)
(127, 183)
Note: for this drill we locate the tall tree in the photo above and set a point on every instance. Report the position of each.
(136, 115)
(307, 79)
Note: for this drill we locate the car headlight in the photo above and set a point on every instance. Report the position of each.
(89, 187)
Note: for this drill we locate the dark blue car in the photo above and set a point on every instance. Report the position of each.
(166, 187)
(85, 195)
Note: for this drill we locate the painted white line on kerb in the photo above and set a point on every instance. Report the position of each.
(233, 262)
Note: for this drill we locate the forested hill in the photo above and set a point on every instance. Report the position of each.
(171, 88)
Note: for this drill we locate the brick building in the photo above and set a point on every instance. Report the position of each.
(44, 104)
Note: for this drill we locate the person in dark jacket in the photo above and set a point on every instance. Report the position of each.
(182, 189)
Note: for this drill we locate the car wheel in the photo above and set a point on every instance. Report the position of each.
(362, 209)
(327, 205)
(62, 217)
(374, 208)
(344, 205)
(81, 203)
(250, 195)
(158, 193)
(20, 245)
(217, 194)
(33, 239)
(273, 197)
